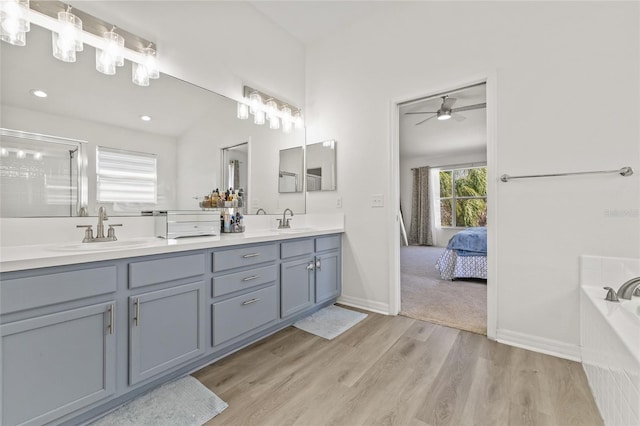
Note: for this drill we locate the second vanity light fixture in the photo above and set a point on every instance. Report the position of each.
(69, 36)
(264, 106)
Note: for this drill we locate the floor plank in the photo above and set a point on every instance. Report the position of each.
(393, 370)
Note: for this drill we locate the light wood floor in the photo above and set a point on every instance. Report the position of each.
(397, 371)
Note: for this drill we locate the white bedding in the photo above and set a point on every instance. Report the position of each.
(452, 266)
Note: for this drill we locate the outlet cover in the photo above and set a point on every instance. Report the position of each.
(339, 202)
(377, 200)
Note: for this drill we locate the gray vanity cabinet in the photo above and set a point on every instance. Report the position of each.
(296, 284)
(59, 363)
(327, 269)
(167, 328)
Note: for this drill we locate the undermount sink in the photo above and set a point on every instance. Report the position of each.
(293, 230)
(103, 245)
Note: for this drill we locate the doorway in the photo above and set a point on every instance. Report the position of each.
(433, 283)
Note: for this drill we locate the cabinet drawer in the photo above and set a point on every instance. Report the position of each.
(328, 243)
(32, 292)
(229, 283)
(296, 248)
(150, 272)
(236, 316)
(247, 256)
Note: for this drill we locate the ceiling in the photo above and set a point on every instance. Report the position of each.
(310, 21)
(436, 138)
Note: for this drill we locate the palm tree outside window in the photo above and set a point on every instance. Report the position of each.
(463, 197)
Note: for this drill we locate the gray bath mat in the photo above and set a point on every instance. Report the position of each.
(330, 322)
(184, 402)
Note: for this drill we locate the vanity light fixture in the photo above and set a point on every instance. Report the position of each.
(14, 21)
(38, 93)
(148, 69)
(68, 39)
(273, 109)
(70, 31)
(112, 55)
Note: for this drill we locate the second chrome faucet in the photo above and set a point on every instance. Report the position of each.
(284, 222)
(100, 237)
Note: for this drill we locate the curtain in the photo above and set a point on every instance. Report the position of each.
(420, 231)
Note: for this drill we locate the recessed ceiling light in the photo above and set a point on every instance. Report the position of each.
(145, 118)
(38, 93)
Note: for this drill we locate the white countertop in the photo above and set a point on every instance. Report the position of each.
(15, 258)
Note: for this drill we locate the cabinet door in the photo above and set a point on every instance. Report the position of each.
(296, 279)
(55, 364)
(327, 276)
(166, 329)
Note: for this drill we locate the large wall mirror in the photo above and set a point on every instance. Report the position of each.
(321, 166)
(188, 129)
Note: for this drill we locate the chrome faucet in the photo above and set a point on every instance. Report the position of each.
(261, 210)
(284, 222)
(630, 288)
(111, 233)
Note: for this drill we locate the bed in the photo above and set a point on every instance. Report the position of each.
(465, 255)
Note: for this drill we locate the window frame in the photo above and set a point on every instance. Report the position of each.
(138, 154)
(454, 198)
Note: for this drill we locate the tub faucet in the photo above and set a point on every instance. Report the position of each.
(630, 288)
(284, 222)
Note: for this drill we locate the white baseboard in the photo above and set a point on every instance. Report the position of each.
(540, 344)
(367, 305)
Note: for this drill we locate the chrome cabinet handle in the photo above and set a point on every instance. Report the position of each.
(251, 278)
(246, 256)
(136, 317)
(112, 308)
(318, 264)
(311, 266)
(248, 302)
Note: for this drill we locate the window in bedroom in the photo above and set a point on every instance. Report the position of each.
(126, 176)
(463, 197)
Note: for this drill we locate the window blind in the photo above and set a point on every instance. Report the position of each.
(125, 176)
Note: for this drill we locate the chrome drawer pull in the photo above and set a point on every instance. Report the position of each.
(136, 318)
(311, 266)
(318, 264)
(251, 278)
(112, 308)
(248, 302)
(246, 256)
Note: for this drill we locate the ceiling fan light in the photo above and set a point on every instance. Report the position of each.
(444, 115)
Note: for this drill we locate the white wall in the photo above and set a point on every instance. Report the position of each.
(441, 235)
(99, 134)
(575, 58)
(218, 45)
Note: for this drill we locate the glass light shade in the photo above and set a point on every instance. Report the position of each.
(243, 111)
(271, 108)
(297, 119)
(258, 117)
(255, 103)
(112, 55)
(444, 115)
(21, 154)
(274, 122)
(14, 21)
(287, 120)
(68, 40)
(151, 62)
(139, 75)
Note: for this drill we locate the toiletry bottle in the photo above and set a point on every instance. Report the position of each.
(227, 222)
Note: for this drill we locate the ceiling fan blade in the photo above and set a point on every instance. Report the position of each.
(448, 103)
(458, 117)
(425, 120)
(470, 107)
(421, 112)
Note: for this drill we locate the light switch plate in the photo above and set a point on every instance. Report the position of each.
(339, 202)
(377, 200)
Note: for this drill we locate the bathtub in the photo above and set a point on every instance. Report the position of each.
(610, 340)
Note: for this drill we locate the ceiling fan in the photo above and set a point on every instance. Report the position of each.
(447, 111)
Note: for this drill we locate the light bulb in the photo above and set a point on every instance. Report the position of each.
(243, 111)
(139, 75)
(274, 123)
(255, 102)
(287, 120)
(444, 115)
(151, 62)
(112, 55)
(37, 156)
(4, 152)
(15, 22)
(258, 117)
(21, 154)
(68, 40)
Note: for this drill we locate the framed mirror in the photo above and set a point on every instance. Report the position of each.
(290, 177)
(184, 126)
(321, 166)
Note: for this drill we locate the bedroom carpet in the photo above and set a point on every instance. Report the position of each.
(459, 304)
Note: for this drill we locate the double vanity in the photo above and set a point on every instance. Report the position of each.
(86, 329)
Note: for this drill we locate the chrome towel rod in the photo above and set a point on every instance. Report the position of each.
(625, 171)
